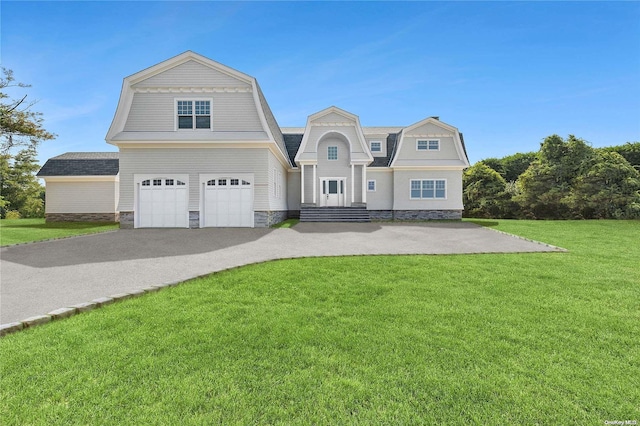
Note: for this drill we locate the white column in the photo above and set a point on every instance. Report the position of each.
(314, 184)
(353, 194)
(364, 183)
(301, 183)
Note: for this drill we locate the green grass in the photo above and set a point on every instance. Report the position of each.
(544, 338)
(289, 223)
(27, 230)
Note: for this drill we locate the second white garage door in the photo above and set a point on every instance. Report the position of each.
(227, 200)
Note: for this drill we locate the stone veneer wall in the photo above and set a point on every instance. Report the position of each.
(126, 220)
(194, 219)
(268, 218)
(381, 214)
(81, 217)
(415, 214)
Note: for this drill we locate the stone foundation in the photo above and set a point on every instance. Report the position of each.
(381, 214)
(126, 220)
(81, 217)
(427, 214)
(268, 218)
(194, 219)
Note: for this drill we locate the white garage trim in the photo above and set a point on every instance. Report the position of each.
(226, 200)
(161, 201)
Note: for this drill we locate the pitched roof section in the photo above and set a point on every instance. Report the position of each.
(391, 147)
(81, 164)
(292, 141)
(271, 122)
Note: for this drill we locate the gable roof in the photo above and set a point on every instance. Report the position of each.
(81, 164)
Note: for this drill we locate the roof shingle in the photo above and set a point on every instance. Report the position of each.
(81, 164)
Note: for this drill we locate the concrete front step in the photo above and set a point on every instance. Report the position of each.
(334, 214)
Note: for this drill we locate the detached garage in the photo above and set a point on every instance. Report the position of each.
(81, 187)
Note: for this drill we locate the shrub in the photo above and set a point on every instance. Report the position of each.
(12, 215)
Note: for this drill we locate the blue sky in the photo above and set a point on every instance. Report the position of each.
(507, 74)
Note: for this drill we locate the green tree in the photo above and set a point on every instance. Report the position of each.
(19, 126)
(511, 166)
(630, 151)
(21, 131)
(485, 192)
(546, 184)
(608, 188)
(19, 187)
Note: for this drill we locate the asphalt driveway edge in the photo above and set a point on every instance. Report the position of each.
(67, 312)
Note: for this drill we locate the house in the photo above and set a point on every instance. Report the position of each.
(199, 147)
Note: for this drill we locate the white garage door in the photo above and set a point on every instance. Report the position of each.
(162, 203)
(227, 201)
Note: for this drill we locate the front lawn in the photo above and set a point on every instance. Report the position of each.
(543, 338)
(27, 230)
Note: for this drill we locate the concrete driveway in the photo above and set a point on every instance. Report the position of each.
(40, 277)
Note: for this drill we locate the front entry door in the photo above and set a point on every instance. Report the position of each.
(333, 192)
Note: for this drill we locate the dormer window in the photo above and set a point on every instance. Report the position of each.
(194, 114)
(428, 145)
(376, 146)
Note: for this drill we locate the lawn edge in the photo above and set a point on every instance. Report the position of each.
(58, 238)
(556, 248)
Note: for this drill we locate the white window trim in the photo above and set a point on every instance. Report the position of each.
(434, 189)
(175, 114)
(375, 186)
(332, 159)
(371, 146)
(427, 141)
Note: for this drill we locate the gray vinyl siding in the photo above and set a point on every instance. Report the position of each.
(401, 189)
(230, 112)
(411, 155)
(333, 168)
(191, 74)
(382, 198)
(293, 190)
(193, 161)
(81, 197)
(277, 203)
(308, 184)
(333, 118)
(383, 145)
(318, 132)
(357, 184)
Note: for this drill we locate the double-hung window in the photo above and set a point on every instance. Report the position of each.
(371, 186)
(428, 145)
(428, 189)
(376, 146)
(194, 114)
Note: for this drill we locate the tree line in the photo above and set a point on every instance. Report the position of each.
(21, 131)
(565, 179)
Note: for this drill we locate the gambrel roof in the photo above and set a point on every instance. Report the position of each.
(150, 79)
